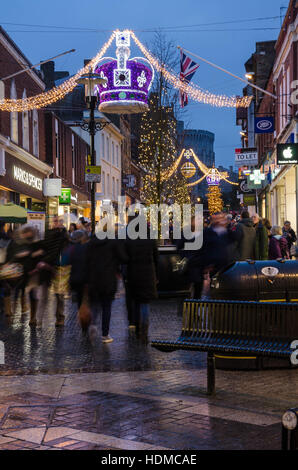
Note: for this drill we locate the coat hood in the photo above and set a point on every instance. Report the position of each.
(247, 222)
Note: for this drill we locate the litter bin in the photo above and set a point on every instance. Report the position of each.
(171, 282)
(262, 281)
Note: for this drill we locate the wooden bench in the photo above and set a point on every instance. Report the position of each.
(226, 326)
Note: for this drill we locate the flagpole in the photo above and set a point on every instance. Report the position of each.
(229, 73)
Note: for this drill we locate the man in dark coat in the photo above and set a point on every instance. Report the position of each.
(245, 237)
(142, 279)
(262, 241)
(103, 260)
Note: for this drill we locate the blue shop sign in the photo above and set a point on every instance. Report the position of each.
(264, 125)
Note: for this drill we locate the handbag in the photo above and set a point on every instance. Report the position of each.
(11, 271)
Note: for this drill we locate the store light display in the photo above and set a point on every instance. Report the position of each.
(128, 84)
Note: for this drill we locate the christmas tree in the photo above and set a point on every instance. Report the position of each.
(157, 154)
(215, 202)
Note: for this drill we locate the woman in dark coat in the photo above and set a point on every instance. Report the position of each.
(103, 259)
(142, 279)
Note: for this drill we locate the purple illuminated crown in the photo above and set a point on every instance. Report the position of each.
(128, 81)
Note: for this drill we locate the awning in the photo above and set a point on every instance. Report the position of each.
(11, 213)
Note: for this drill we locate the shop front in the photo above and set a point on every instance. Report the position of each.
(22, 184)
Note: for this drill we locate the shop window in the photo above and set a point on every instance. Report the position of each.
(35, 133)
(14, 131)
(2, 162)
(25, 126)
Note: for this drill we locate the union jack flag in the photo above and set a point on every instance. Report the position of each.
(187, 71)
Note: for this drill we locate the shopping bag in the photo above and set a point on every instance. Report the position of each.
(60, 283)
(84, 315)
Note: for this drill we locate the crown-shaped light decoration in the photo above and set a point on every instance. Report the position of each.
(213, 177)
(128, 80)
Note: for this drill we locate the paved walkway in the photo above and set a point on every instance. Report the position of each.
(59, 391)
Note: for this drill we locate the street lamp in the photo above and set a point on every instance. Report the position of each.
(90, 80)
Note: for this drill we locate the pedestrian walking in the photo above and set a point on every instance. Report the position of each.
(261, 243)
(142, 280)
(78, 253)
(217, 250)
(291, 237)
(245, 238)
(55, 242)
(103, 260)
(278, 245)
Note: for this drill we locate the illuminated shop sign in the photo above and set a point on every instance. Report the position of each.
(27, 178)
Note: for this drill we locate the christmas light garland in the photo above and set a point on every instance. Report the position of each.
(57, 93)
(194, 91)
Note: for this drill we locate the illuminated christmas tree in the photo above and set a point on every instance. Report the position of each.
(157, 154)
(215, 202)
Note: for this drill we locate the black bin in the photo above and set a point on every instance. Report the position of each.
(171, 282)
(261, 281)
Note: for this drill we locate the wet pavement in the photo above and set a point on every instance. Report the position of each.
(60, 391)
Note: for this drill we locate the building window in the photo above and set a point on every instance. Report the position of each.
(103, 183)
(2, 90)
(57, 146)
(73, 158)
(25, 126)
(102, 146)
(113, 188)
(117, 156)
(35, 132)
(108, 185)
(14, 131)
(108, 149)
(113, 153)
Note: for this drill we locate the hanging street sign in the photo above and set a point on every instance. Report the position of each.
(52, 187)
(287, 154)
(65, 197)
(246, 157)
(264, 125)
(93, 174)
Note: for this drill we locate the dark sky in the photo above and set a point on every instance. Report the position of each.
(229, 48)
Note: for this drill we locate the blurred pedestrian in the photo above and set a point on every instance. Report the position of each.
(78, 253)
(278, 245)
(245, 238)
(103, 260)
(290, 235)
(54, 243)
(72, 228)
(142, 280)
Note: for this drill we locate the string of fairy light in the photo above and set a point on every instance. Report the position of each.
(57, 93)
(204, 169)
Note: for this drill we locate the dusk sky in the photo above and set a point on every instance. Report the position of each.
(44, 29)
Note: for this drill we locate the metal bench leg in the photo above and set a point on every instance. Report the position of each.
(210, 374)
